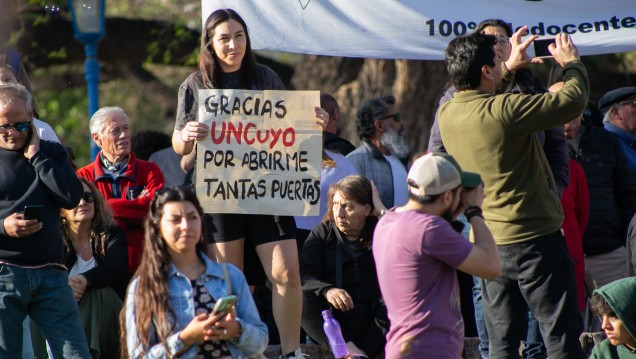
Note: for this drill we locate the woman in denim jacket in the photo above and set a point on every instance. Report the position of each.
(169, 302)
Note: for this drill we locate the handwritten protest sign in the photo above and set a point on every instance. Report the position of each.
(263, 155)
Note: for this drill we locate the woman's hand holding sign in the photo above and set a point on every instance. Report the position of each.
(322, 117)
(194, 131)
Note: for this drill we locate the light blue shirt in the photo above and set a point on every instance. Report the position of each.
(252, 341)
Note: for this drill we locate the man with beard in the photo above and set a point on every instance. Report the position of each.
(417, 251)
(383, 155)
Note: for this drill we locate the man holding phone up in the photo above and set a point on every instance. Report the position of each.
(495, 135)
(33, 280)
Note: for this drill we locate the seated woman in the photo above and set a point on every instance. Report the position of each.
(338, 270)
(169, 302)
(97, 256)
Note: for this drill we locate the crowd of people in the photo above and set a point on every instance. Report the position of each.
(520, 188)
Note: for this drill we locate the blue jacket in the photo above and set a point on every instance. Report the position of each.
(253, 340)
(628, 144)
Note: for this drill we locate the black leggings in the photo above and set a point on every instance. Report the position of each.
(357, 324)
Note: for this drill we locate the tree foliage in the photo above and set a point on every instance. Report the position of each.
(152, 45)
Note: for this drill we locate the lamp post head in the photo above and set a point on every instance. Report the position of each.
(88, 19)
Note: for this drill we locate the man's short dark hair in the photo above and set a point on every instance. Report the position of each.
(428, 199)
(465, 56)
(600, 307)
(496, 23)
(145, 143)
(366, 115)
(328, 103)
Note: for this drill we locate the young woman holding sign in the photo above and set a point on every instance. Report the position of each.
(226, 61)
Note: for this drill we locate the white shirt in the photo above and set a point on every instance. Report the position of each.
(400, 189)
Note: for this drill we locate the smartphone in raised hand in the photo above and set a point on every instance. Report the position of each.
(541, 48)
(224, 304)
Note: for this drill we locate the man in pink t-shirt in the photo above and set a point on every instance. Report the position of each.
(417, 251)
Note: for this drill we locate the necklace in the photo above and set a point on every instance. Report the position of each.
(79, 254)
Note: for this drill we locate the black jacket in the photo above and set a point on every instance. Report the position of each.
(335, 143)
(318, 266)
(111, 258)
(612, 190)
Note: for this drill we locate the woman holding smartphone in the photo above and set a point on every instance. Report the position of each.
(226, 61)
(169, 305)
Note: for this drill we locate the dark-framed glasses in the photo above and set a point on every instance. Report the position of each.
(88, 197)
(19, 126)
(395, 116)
(631, 103)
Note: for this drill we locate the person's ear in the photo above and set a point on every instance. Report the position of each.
(379, 126)
(486, 72)
(447, 197)
(367, 207)
(614, 115)
(96, 139)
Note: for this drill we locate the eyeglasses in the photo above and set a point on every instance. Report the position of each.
(503, 40)
(629, 103)
(88, 197)
(20, 127)
(395, 116)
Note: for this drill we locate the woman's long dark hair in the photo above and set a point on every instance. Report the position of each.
(152, 309)
(358, 189)
(209, 67)
(102, 221)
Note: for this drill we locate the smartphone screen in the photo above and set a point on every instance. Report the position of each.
(33, 212)
(541, 47)
(224, 304)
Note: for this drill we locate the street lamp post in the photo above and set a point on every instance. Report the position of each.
(88, 26)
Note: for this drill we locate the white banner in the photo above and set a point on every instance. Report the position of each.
(263, 155)
(417, 29)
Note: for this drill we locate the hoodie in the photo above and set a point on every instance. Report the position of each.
(621, 296)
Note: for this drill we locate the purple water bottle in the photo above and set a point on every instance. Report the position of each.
(332, 329)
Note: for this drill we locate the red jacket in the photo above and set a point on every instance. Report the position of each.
(576, 208)
(129, 209)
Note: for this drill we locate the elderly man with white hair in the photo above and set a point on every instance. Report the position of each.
(128, 183)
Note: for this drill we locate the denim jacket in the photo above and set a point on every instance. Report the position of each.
(253, 340)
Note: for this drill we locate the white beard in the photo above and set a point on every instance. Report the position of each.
(395, 143)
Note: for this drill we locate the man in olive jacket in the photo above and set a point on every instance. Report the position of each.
(495, 136)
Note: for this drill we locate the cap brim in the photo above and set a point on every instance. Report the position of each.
(470, 179)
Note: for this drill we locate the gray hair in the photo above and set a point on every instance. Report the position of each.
(10, 93)
(99, 118)
(607, 118)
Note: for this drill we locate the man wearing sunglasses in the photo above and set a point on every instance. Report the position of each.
(34, 280)
(383, 155)
(619, 108)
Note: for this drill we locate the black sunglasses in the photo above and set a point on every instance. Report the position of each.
(395, 116)
(20, 127)
(88, 197)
